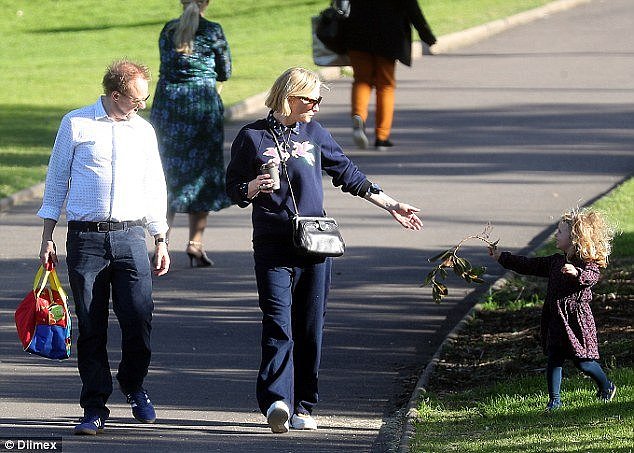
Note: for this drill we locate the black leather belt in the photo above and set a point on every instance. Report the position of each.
(103, 227)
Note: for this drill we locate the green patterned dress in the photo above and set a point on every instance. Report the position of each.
(187, 114)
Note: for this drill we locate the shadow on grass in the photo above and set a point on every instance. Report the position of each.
(16, 159)
(249, 10)
(98, 27)
(29, 125)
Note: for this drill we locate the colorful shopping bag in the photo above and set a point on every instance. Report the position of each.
(43, 319)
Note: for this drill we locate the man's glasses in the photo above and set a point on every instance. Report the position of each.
(310, 102)
(137, 101)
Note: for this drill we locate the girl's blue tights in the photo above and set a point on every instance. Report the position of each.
(586, 366)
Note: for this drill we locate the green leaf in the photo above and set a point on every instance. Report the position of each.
(464, 263)
(442, 289)
(442, 255)
(477, 271)
(436, 295)
(458, 268)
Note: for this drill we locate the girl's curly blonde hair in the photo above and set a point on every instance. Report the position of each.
(591, 235)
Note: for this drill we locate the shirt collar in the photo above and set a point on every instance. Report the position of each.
(278, 128)
(101, 114)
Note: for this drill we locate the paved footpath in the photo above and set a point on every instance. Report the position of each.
(511, 130)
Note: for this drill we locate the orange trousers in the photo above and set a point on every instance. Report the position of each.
(373, 71)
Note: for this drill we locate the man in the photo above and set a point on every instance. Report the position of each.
(105, 165)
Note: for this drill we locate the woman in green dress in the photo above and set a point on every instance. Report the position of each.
(187, 114)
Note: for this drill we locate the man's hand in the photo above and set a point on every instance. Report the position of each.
(48, 253)
(161, 260)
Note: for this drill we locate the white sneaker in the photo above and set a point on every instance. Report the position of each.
(277, 417)
(303, 421)
(358, 132)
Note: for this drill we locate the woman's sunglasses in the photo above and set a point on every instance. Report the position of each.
(310, 102)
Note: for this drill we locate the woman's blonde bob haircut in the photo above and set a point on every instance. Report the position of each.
(293, 82)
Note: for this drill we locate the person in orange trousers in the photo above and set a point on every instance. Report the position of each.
(377, 34)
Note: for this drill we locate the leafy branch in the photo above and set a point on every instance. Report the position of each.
(449, 259)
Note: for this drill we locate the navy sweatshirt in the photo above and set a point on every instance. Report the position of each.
(308, 149)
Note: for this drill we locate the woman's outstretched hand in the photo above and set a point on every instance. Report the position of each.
(405, 214)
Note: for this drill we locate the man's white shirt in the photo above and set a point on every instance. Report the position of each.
(105, 170)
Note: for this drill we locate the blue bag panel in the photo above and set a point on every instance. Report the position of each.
(51, 342)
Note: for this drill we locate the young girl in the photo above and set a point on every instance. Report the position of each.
(567, 325)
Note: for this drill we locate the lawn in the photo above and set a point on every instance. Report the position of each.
(488, 391)
(54, 54)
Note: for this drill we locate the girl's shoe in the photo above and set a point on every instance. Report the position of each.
(197, 255)
(553, 405)
(607, 395)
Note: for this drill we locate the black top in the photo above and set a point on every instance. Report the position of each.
(383, 27)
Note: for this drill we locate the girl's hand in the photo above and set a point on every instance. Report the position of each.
(406, 215)
(569, 269)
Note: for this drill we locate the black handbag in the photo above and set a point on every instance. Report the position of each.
(322, 55)
(312, 236)
(317, 236)
(330, 26)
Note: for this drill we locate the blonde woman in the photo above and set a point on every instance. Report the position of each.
(293, 288)
(568, 330)
(188, 117)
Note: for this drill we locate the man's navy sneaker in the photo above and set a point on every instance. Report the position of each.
(89, 425)
(142, 408)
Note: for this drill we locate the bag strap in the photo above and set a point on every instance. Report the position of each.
(285, 170)
(56, 285)
(41, 277)
(43, 274)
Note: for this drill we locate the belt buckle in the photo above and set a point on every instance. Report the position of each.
(103, 227)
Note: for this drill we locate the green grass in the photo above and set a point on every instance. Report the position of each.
(618, 206)
(54, 54)
(507, 415)
(510, 417)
